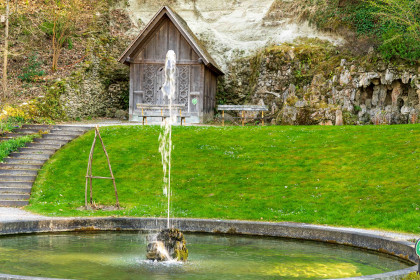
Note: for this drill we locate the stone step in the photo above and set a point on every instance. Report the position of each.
(14, 172)
(20, 166)
(15, 135)
(13, 203)
(29, 131)
(59, 137)
(72, 127)
(15, 190)
(25, 150)
(8, 184)
(37, 127)
(43, 146)
(66, 132)
(50, 141)
(14, 196)
(29, 156)
(11, 178)
(24, 161)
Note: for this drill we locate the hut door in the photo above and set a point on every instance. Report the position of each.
(160, 79)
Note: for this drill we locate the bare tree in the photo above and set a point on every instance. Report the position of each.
(5, 54)
(64, 19)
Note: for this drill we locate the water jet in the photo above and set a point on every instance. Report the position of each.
(169, 244)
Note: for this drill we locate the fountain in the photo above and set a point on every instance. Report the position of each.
(168, 244)
(230, 250)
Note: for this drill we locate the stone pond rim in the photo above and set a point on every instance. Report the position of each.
(402, 249)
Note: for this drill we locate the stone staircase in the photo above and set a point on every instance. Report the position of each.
(18, 172)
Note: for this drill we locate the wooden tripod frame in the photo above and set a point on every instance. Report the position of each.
(89, 176)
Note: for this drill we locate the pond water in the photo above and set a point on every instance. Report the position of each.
(121, 255)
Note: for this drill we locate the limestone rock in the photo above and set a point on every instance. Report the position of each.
(365, 93)
(387, 78)
(396, 92)
(345, 78)
(338, 117)
(365, 78)
(405, 110)
(405, 78)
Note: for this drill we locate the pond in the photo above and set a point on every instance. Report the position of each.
(121, 255)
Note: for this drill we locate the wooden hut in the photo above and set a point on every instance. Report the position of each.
(196, 71)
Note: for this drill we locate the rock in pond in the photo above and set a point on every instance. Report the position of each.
(168, 244)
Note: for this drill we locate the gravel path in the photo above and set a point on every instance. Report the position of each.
(110, 122)
(16, 214)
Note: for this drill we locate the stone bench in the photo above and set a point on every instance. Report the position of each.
(164, 111)
(242, 108)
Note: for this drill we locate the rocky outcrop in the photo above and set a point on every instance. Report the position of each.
(168, 244)
(91, 93)
(232, 29)
(312, 82)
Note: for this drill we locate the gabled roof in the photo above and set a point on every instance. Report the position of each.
(183, 28)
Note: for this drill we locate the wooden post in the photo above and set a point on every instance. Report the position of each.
(262, 114)
(5, 54)
(110, 169)
(142, 115)
(89, 172)
(243, 118)
(180, 115)
(89, 176)
(161, 113)
(223, 118)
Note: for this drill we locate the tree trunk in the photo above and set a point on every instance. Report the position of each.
(6, 48)
(54, 62)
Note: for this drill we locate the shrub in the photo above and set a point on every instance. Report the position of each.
(412, 276)
(394, 25)
(399, 31)
(32, 71)
(11, 118)
(45, 109)
(48, 108)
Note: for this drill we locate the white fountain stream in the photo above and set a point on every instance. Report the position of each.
(169, 244)
(165, 137)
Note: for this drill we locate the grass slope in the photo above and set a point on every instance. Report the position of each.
(350, 176)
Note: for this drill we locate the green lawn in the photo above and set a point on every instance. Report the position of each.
(360, 176)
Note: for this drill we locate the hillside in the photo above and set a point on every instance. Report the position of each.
(87, 71)
(88, 82)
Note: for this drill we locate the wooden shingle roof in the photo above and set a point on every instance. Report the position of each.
(183, 28)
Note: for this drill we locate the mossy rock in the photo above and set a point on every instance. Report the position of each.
(173, 241)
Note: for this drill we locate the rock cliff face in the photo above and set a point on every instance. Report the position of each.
(97, 90)
(231, 28)
(314, 83)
